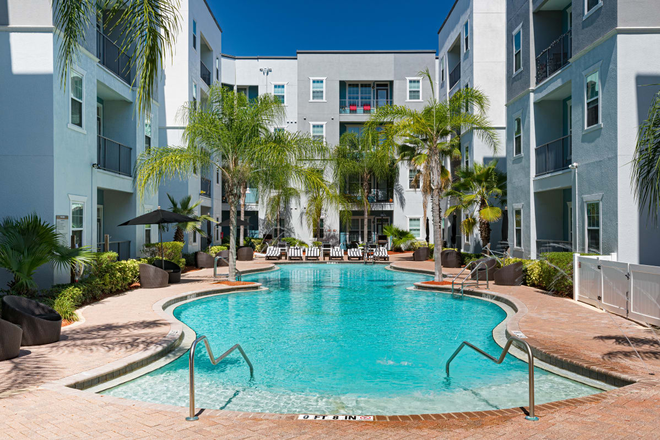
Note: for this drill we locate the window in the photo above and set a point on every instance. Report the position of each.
(77, 223)
(442, 69)
(278, 130)
(147, 234)
(517, 224)
(217, 69)
(147, 133)
(243, 90)
(321, 227)
(318, 131)
(76, 99)
(414, 89)
(194, 236)
(217, 176)
(195, 93)
(467, 157)
(194, 35)
(517, 50)
(217, 229)
(592, 96)
(590, 5)
(317, 92)
(414, 226)
(466, 36)
(412, 173)
(279, 90)
(593, 227)
(517, 137)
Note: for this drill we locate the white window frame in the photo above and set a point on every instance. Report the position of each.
(311, 128)
(416, 217)
(593, 69)
(75, 199)
(513, 50)
(194, 33)
(413, 78)
(442, 70)
(239, 89)
(586, 200)
(284, 95)
(412, 188)
(148, 119)
(217, 68)
(194, 92)
(517, 117)
(466, 154)
(592, 10)
(311, 89)
(71, 125)
(466, 36)
(518, 207)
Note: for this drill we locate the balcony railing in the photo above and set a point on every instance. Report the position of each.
(377, 196)
(554, 156)
(361, 106)
(205, 73)
(554, 57)
(455, 76)
(122, 248)
(543, 246)
(205, 187)
(114, 157)
(113, 57)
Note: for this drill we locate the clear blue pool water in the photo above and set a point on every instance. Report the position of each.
(346, 339)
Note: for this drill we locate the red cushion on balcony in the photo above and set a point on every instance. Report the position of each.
(352, 107)
(367, 107)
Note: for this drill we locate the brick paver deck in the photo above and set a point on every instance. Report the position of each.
(126, 325)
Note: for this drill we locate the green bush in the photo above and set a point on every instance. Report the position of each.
(553, 273)
(317, 243)
(172, 250)
(468, 257)
(291, 241)
(215, 249)
(189, 258)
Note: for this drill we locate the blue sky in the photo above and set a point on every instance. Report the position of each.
(259, 27)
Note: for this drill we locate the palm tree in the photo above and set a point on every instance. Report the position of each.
(357, 160)
(646, 161)
(322, 197)
(148, 29)
(435, 133)
(417, 161)
(185, 208)
(230, 134)
(474, 191)
(28, 243)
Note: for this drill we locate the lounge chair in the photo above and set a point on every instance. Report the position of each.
(283, 247)
(10, 340)
(40, 324)
(203, 260)
(273, 253)
(152, 277)
(244, 253)
(295, 253)
(354, 254)
(313, 253)
(482, 273)
(421, 254)
(451, 258)
(336, 253)
(511, 275)
(381, 254)
(326, 248)
(173, 270)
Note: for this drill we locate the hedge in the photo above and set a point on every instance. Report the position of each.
(215, 249)
(171, 250)
(552, 273)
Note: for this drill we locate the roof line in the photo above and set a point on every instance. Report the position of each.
(212, 16)
(364, 51)
(448, 15)
(258, 57)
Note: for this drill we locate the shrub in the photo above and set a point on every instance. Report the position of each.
(172, 250)
(291, 241)
(554, 272)
(189, 258)
(468, 257)
(414, 245)
(401, 238)
(215, 249)
(317, 243)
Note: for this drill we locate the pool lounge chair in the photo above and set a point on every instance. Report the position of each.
(313, 253)
(283, 248)
(326, 248)
(295, 253)
(381, 254)
(273, 253)
(336, 253)
(354, 254)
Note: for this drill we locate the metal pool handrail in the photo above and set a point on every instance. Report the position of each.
(214, 361)
(465, 280)
(499, 360)
(215, 267)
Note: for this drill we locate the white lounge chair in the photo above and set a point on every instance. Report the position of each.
(272, 253)
(336, 253)
(295, 253)
(381, 254)
(313, 253)
(354, 254)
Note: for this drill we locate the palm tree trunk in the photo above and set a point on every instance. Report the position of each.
(434, 161)
(318, 229)
(243, 195)
(232, 238)
(484, 227)
(365, 189)
(178, 235)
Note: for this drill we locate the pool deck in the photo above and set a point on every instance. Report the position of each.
(34, 404)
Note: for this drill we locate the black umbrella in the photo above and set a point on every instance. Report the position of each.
(159, 217)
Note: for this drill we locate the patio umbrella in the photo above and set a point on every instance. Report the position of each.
(159, 217)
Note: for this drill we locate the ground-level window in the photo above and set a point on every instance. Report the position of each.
(318, 131)
(321, 228)
(517, 137)
(147, 234)
(517, 222)
(414, 89)
(76, 99)
(194, 236)
(415, 226)
(467, 157)
(592, 95)
(593, 227)
(77, 223)
(412, 183)
(194, 93)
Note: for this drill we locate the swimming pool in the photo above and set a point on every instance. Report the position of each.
(346, 339)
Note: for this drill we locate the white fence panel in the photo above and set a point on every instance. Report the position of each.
(590, 283)
(645, 293)
(615, 285)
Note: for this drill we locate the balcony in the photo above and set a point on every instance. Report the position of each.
(114, 157)
(554, 57)
(205, 73)
(113, 57)
(361, 106)
(376, 196)
(455, 76)
(205, 187)
(554, 156)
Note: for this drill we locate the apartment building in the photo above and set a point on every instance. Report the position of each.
(329, 93)
(577, 76)
(187, 77)
(67, 152)
(472, 54)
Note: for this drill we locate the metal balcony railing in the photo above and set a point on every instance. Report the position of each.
(554, 156)
(554, 57)
(205, 73)
(205, 187)
(113, 57)
(376, 195)
(361, 106)
(121, 248)
(455, 76)
(114, 157)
